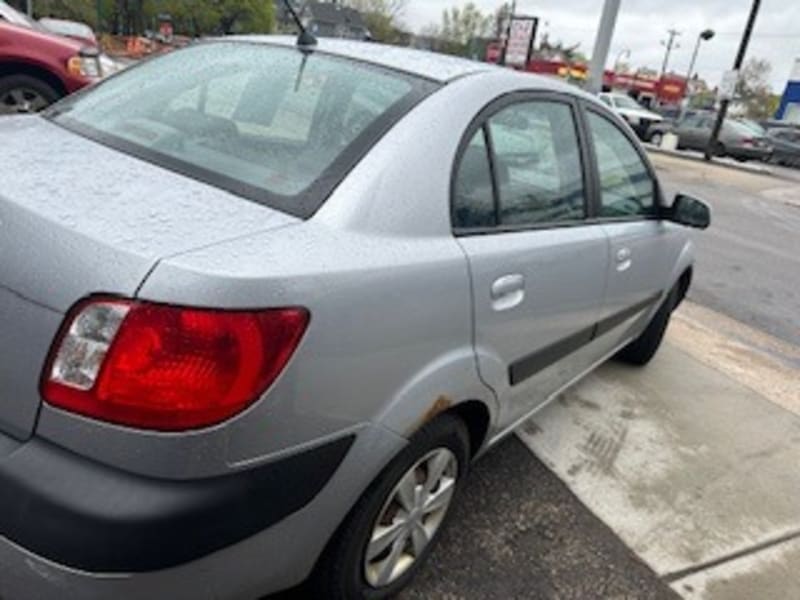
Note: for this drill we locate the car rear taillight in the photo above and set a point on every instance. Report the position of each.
(167, 368)
(748, 142)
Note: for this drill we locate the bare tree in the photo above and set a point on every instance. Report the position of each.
(753, 89)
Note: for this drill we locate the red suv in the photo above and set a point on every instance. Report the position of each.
(38, 67)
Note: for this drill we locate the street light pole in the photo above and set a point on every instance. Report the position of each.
(624, 52)
(29, 7)
(597, 66)
(723, 105)
(703, 37)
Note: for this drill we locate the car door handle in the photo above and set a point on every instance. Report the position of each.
(624, 261)
(508, 291)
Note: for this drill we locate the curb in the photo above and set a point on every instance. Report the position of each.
(755, 169)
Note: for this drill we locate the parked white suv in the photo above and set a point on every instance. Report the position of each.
(638, 117)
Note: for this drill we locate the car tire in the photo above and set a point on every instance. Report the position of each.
(344, 570)
(657, 138)
(16, 89)
(642, 350)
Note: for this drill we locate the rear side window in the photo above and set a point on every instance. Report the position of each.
(473, 194)
(529, 174)
(537, 163)
(627, 189)
(266, 122)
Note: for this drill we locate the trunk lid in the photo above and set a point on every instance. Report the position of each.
(77, 218)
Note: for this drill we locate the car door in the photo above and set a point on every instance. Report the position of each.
(690, 133)
(643, 248)
(520, 200)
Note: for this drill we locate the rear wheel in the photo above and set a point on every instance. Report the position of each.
(641, 350)
(25, 94)
(394, 526)
(657, 138)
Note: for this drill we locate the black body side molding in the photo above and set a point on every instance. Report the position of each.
(530, 365)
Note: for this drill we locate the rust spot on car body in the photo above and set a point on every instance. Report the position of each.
(441, 404)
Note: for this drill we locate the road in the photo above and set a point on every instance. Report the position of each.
(748, 262)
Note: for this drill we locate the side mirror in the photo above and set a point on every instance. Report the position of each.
(690, 212)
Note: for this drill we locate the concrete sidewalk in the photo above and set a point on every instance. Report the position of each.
(693, 460)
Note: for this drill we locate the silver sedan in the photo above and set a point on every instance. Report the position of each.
(262, 305)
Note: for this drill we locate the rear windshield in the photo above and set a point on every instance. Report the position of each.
(265, 122)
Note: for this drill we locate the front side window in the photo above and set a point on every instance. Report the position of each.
(537, 164)
(693, 121)
(627, 189)
(267, 122)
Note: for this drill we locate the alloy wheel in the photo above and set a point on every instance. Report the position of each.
(22, 100)
(410, 517)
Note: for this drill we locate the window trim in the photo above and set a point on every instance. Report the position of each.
(480, 121)
(597, 194)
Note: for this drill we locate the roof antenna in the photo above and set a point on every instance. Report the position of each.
(305, 39)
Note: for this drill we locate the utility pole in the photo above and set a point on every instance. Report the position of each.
(597, 66)
(723, 105)
(29, 6)
(670, 44)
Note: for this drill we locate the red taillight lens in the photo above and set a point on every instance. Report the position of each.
(167, 368)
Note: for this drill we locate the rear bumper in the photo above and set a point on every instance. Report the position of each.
(87, 516)
(749, 153)
(271, 559)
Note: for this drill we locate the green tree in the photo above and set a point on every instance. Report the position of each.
(460, 25)
(193, 17)
(460, 28)
(383, 19)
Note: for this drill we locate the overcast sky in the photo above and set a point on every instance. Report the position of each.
(642, 24)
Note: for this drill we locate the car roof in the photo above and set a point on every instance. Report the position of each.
(437, 67)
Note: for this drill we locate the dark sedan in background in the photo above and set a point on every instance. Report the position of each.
(737, 139)
(786, 144)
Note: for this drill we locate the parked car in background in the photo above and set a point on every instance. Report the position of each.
(37, 66)
(738, 140)
(753, 126)
(786, 144)
(71, 29)
(224, 373)
(778, 124)
(634, 114)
